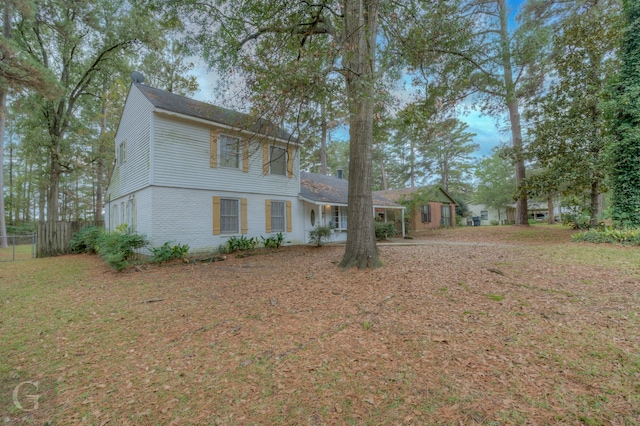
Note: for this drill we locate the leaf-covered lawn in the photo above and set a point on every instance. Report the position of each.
(528, 331)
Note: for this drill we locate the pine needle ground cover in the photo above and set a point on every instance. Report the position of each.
(470, 327)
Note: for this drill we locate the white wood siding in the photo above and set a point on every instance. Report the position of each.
(181, 159)
(185, 216)
(135, 131)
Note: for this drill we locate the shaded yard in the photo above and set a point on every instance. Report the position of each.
(536, 332)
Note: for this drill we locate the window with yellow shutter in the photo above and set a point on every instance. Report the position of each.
(277, 216)
(229, 216)
(278, 161)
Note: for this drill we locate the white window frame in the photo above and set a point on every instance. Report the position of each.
(226, 156)
(274, 218)
(224, 228)
(484, 214)
(275, 159)
(339, 217)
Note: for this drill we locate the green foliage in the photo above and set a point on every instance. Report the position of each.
(625, 151)
(496, 181)
(86, 240)
(494, 222)
(461, 207)
(22, 229)
(385, 230)
(241, 243)
(577, 221)
(570, 135)
(320, 234)
(611, 235)
(274, 241)
(118, 248)
(167, 252)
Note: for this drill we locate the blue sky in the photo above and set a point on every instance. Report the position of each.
(487, 134)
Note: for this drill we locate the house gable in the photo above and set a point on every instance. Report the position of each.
(132, 142)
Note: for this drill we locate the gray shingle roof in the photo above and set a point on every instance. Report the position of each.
(332, 190)
(399, 194)
(175, 103)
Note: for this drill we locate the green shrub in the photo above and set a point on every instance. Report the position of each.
(28, 228)
(118, 248)
(273, 241)
(167, 252)
(494, 222)
(320, 234)
(385, 230)
(86, 240)
(611, 235)
(576, 221)
(241, 243)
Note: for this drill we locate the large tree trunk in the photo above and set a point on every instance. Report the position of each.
(595, 203)
(100, 166)
(359, 45)
(551, 220)
(514, 115)
(323, 142)
(412, 170)
(54, 187)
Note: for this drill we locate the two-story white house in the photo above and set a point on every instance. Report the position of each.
(193, 173)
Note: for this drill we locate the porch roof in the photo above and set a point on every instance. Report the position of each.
(323, 189)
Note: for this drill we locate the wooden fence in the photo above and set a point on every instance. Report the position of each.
(54, 237)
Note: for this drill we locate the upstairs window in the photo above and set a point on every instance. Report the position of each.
(278, 161)
(229, 151)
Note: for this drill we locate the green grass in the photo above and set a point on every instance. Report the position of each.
(19, 252)
(618, 257)
(496, 297)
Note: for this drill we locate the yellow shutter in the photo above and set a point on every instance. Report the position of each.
(289, 227)
(245, 156)
(213, 148)
(290, 161)
(267, 214)
(265, 159)
(216, 215)
(243, 216)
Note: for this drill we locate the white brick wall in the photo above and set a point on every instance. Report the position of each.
(185, 216)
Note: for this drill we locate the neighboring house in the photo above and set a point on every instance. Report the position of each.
(325, 204)
(481, 214)
(439, 210)
(193, 173)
